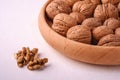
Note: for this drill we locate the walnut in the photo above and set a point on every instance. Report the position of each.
(101, 31)
(62, 22)
(68, 2)
(92, 22)
(119, 6)
(56, 7)
(112, 23)
(110, 1)
(106, 11)
(96, 2)
(109, 40)
(78, 16)
(85, 8)
(79, 33)
(117, 31)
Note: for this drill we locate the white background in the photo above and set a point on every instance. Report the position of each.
(18, 28)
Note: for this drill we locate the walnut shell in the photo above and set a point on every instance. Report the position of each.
(119, 6)
(108, 39)
(62, 22)
(85, 8)
(106, 11)
(112, 44)
(117, 31)
(79, 33)
(78, 16)
(68, 2)
(112, 23)
(96, 2)
(101, 31)
(92, 22)
(110, 1)
(56, 7)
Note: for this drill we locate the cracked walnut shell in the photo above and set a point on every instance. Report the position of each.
(101, 31)
(109, 39)
(92, 22)
(79, 33)
(106, 11)
(56, 7)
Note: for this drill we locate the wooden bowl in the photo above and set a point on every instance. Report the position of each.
(76, 50)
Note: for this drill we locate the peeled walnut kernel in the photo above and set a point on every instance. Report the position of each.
(106, 11)
(112, 23)
(77, 16)
(56, 7)
(86, 8)
(106, 40)
(101, 31)
(62, 22)
(79, 33)
(92, 22)
(30, 58)
(110, 1)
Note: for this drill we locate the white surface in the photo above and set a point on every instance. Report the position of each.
(18, 28)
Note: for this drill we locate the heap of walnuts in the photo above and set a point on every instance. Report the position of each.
(95, 22)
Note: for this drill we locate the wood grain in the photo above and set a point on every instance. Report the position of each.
(76, 50)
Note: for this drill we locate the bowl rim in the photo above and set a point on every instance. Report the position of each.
(43, 13)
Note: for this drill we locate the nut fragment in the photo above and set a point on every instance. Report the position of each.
(106, 11)
(92, 22)
(30, 58)
(112, 23)
(62, 22)
(79, 33)
(101, 31)
(85, 8)
(109, 38)
(56, 7)
(79, 17)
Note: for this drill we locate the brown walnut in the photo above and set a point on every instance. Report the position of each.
(106, 11)
(101, 31)
(110, 1)
(79, 33)
(56, 7)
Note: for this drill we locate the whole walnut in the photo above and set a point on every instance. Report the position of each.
(110, 1)
(101, 31)
(119, 6)
(79, 33)
(106, 11)
(112, 23)
(92, 22)
(62, 22)
(109, 39)
(78, 16)
(56, 7)
(86, 8)
(96, 2)
(117, 31)
(68, 2)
